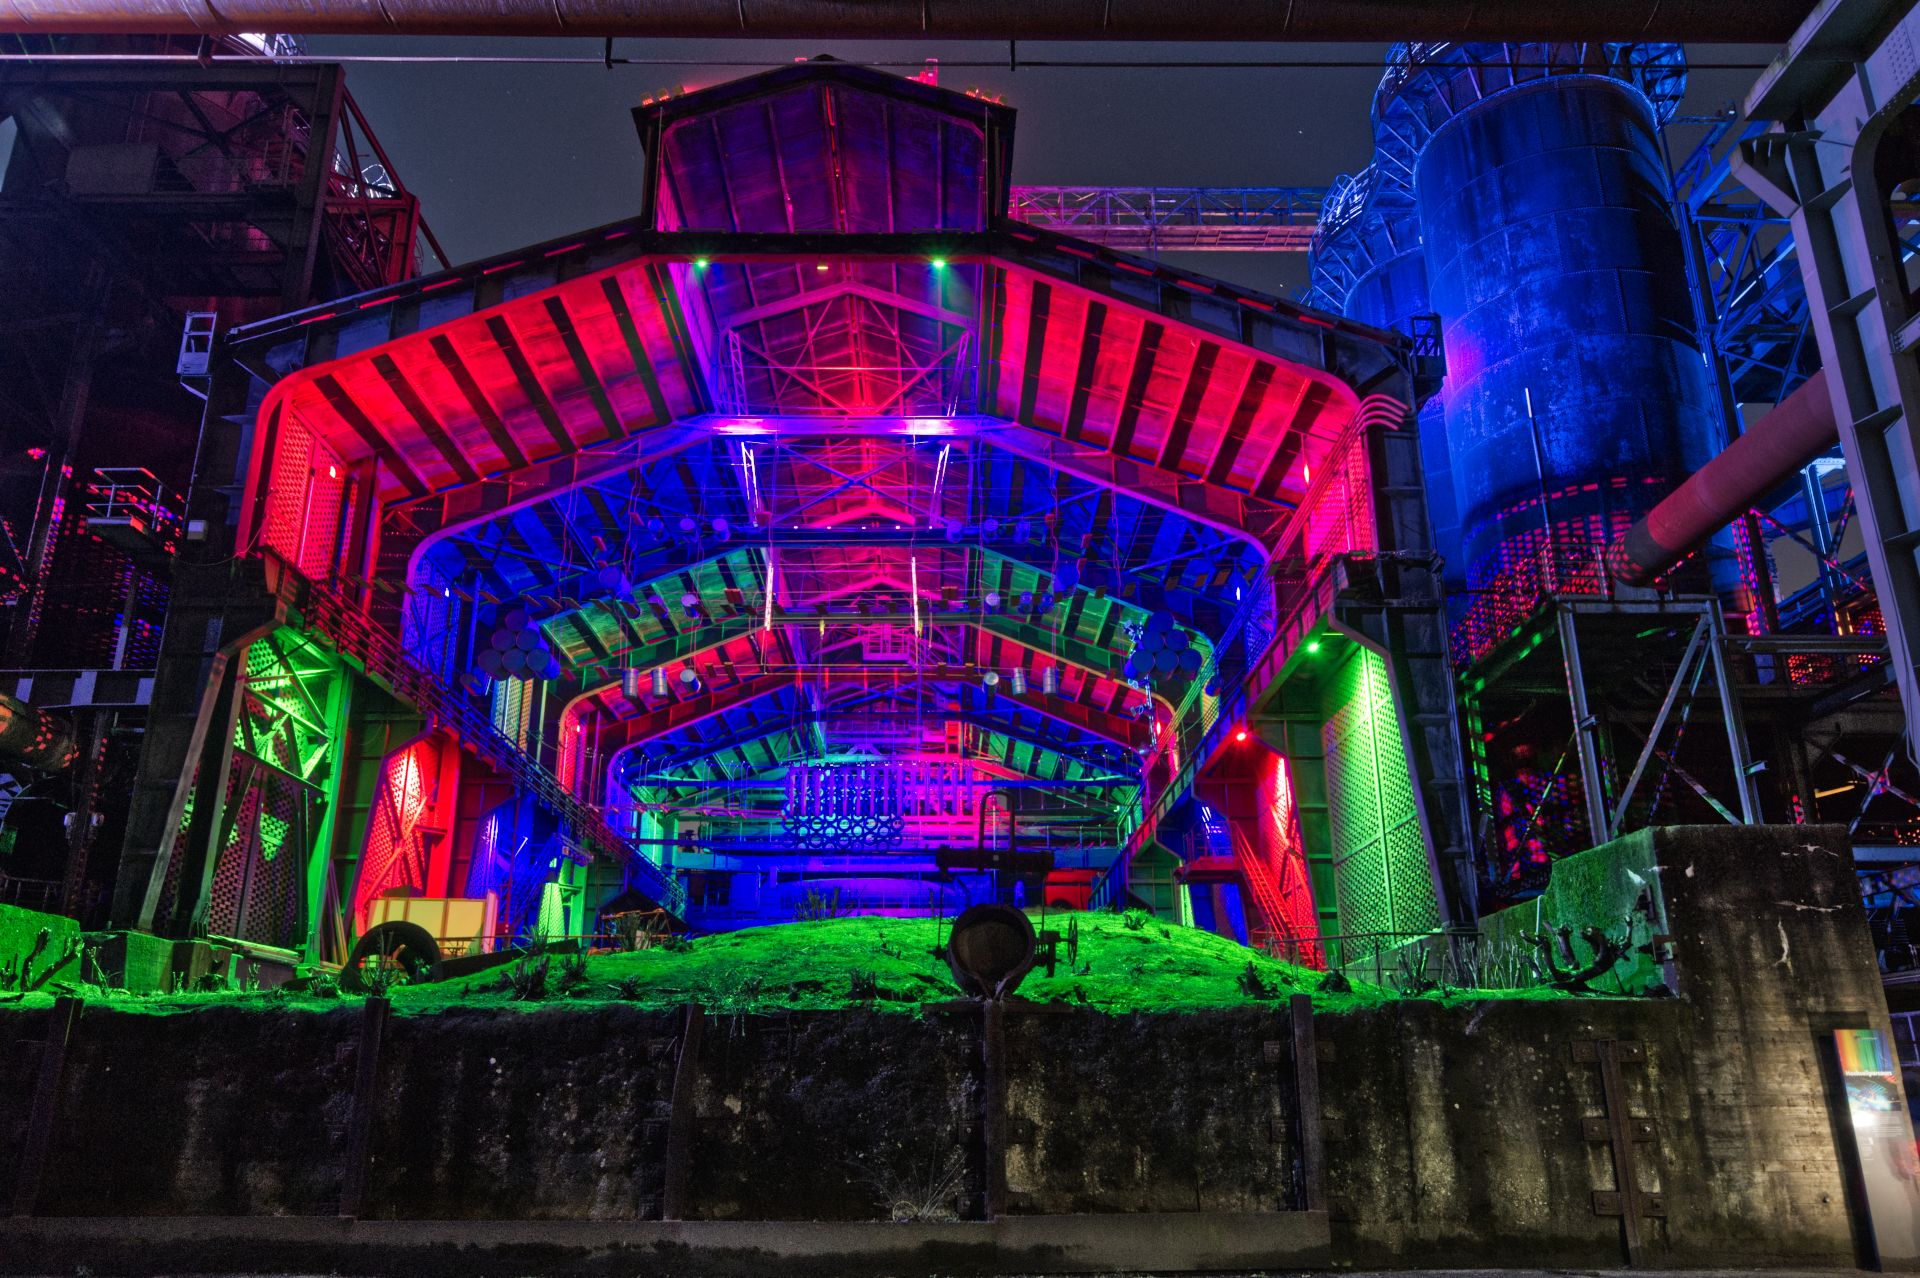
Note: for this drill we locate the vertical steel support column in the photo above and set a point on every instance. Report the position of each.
(1821, 172)
(86, 805)
(339, 710)
(1585, 728)
(309, 214)
(1737, 749)
(1820, 532)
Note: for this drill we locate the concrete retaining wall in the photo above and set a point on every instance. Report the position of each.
(1458, 1133)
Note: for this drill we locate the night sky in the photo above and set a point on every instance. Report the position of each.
(505, 155)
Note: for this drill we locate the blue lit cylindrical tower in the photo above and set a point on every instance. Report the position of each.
(1367, 263)
(1576, 392)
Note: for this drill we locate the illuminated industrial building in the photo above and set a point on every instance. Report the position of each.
(829, 532)
(852, 539)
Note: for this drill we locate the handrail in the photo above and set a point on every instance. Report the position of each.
(349, 630)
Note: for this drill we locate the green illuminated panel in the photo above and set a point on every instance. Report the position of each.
(1383, 879)
(273, 819)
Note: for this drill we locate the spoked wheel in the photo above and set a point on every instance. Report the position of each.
(389, 954)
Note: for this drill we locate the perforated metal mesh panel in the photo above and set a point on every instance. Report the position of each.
(1383, 879)
(274, 806)
(282, 530)
(304, 504)
(396, 850)
(259, 881)
(513, 708)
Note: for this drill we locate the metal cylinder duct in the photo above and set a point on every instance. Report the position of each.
(31, 736)
(1367, 263)
(1798, 430)
(1576, 393)
(1766, 21)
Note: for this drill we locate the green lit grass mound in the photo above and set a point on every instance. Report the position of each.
(35, 948)
(1123, 964)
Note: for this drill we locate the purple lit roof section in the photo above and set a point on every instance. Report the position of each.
(826, 156)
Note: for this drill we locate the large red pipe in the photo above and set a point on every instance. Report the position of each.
(1706, 21)
(1799, 429)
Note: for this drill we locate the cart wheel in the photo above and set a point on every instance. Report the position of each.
(394, 953)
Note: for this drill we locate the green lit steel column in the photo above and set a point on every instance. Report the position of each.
(1383, 877)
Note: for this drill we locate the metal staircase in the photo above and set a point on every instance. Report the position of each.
(342, 624)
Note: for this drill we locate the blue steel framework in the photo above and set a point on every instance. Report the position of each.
(1813, 631)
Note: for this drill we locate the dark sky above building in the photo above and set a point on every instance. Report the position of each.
(504, 154)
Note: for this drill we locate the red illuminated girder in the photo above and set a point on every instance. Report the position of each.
(617, 357)
(661, 720)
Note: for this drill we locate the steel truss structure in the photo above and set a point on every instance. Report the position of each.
(825, 466)
(134, 192)
(1153, 219)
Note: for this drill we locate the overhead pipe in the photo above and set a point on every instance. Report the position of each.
(1799, 429)
(1704, 21)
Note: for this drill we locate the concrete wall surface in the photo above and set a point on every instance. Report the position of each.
(1460, 1130)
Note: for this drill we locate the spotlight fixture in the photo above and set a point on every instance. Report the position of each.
(1018, 683)
(1241, 735)
(689, 676)
(992, 601)
(660, 681)
(630, 683)
(1050, 681)
(990, 679)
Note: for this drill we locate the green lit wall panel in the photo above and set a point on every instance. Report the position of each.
(1383, 878)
